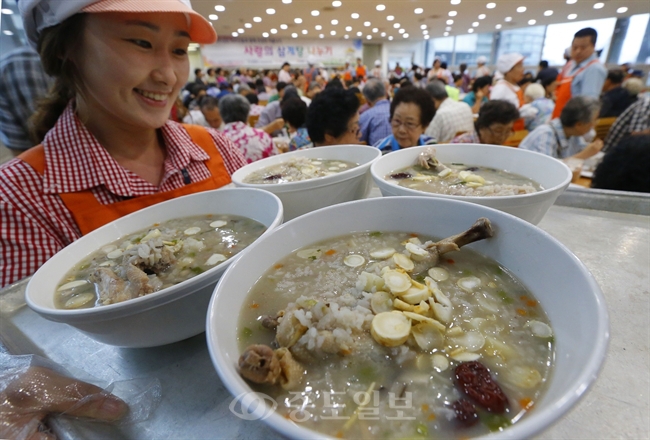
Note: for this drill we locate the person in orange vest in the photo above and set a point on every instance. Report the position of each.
(107, 147)
(347, 72)
(360, 71)
(584, 74)
(511, 66)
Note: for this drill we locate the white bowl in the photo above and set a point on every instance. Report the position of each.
(553, 175)
(308, 195)
(162, 317)
(559, 281)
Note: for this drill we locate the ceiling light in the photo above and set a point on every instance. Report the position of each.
(248, 25)
(491, 5)
(368, 37)
(390, 38)
(321, 36)
(335, 22)
(270, 11)
(482, 17)
(401, 31)
(354, 15)
(622, 10)
(240, 30)
(423, 26)
(234, 34)
(521, 9)
(397, 26)
(283, 26)
(446, 34)
(455, 2)
(498, 26)
(375, 30)
(380, 7)
(390, 18)
(572, 16)
(348, 28)
(220, 8)
(425, 32)
(452, 13)
(265, 34)
(315, 13)
(426, 37)
(450, 21)
(332, 32)
(294, 35)
(508, 19)
(336, 3)
(475, 24)
(470, 30)
(405, 35)
(359, 34)
(6, 32)
(8, 12)
(305, 31)
(297, 20)
(274, 31)
(213, 17)
(448, 28)
(548, 13)
(318, 27)
(346, 36)
(366, 23)
(257, 19)
(598, 5)
(383, 34)
(532, 22)
(286, 2)
(418, 10)
(570, 2)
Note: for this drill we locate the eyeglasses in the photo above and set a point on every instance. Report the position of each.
(502, 132)
(396, 124)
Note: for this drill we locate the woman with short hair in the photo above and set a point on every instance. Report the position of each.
(493, 125)
(333, 118)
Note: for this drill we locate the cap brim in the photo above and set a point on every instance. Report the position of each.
(200, 29)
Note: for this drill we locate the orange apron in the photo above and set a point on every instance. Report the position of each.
(89, 214)
(563, 91)
(519, 123)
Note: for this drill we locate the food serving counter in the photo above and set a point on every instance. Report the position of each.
(614, 245)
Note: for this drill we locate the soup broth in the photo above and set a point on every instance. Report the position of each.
(369, 379)
(155, 258)
(298, 168)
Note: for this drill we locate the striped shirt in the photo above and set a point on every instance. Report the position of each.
(35, 223)
(550, 139)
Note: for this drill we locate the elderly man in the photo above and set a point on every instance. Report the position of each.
(374, 122)
(583, 75)
(451, 117)
(635, 119)
(615, 99)
(271, 117)
(563, 137)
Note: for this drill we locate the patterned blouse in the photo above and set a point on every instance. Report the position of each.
(254, 143)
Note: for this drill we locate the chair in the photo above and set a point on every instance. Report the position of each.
(602, 127)
(515, 138)
(252, 120)
(263, 102)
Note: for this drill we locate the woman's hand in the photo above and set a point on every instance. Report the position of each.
(37, 392)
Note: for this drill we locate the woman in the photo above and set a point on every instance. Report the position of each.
(294, 113)
(107, 145)
(493, 125)
(411, 112)
(479, 94)
(254, 143)
(333, 118)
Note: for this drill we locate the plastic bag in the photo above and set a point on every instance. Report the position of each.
(32, 387)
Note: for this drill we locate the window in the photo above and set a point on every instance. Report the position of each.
(631, 48)
(442, 48)
(560, 35)
(527, 41)
(469, 47)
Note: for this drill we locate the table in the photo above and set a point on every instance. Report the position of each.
(615, 246)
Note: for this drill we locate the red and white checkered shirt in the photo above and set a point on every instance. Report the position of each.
(35, 223)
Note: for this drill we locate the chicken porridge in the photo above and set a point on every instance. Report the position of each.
(297, 169)
(386, 335)
(155, 258)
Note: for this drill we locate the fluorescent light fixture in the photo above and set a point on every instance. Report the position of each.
(418, 10)
(219, 8)
(213, 17)
(270, 11)
(315, 13)
(521, 9)
(380, 7)
(491, 5)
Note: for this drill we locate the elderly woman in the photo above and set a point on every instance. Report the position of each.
(411, 111)
(333, 118)
(563, 136)
(493, 125)
(254, 143)
(294, 113)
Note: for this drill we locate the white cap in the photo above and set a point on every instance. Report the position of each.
(377, 63)
(481, 60)
(507, 61)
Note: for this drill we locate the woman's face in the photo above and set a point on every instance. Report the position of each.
(496, 134)
(132, 68)
(352, 135)
(406, 125)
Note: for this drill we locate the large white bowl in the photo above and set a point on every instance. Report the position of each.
(166, 316)
(308, 195)
(553, 175)
(564, 287)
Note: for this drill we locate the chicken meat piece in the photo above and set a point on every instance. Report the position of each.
(427, 159)
(292, 371)
(112, 288)
(159, 265)
(289, 330)
(260, 364)
(139, 281)
(480, 230)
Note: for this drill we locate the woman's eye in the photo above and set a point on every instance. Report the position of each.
(180, 52)
(142, 43)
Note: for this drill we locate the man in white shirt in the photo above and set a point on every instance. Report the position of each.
(451, 117)
(284, 74)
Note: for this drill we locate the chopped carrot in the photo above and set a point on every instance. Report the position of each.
(523, 298)
(345, 351)
(425, 408)
(522, 312)
(278, 266)
(209, 215)
(450, 261)
(531, 303)
(156, 224)
(431, 417)
(526, 403)
(254, 305)
(413, 234)
(339, 434)
(330, 252)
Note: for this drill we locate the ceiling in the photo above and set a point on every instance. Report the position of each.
(239, 15)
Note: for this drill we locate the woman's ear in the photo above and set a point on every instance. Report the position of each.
(329, 139)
